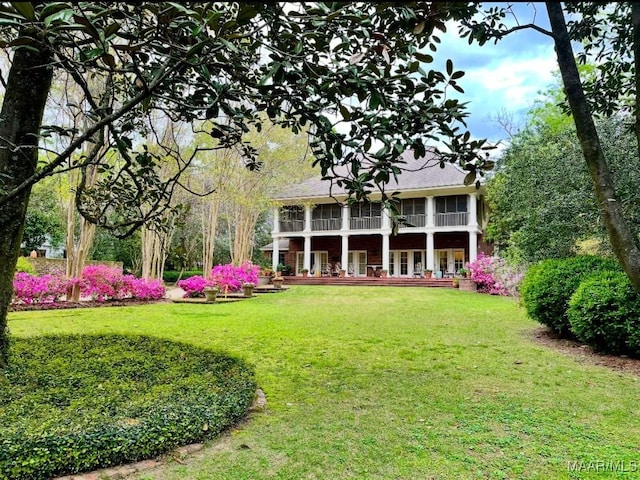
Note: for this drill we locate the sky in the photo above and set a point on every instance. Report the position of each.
(505, 77)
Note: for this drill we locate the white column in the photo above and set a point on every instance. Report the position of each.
(430, 252)
(306, 263)
(275, 254)
(307, 218)
(473, 215)
(430, 212)
(386, 219)
(276, 220)
(345, 217)
(344, 260)
(385, 251)
(473, 245)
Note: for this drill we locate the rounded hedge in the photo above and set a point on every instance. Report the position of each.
(77, 403)
(604, 312)
(24, 265)
(548, 285)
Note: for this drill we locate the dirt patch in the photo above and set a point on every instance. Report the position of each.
(584, 353)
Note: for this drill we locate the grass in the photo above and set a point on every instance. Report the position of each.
(373, 383)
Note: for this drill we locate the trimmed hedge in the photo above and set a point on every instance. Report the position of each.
(77, 403)
(548, 285)
(171, 276)
(604, 312)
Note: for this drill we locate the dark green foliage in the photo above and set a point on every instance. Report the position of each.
(76, 403)
(172, 276)
(548, 285)
(604, 312)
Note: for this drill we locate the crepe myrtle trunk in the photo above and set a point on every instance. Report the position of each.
(621, 237)
(25, 96)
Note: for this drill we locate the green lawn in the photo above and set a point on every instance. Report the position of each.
(391, 383)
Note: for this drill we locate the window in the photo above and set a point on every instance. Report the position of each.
(292, 213)
(366, 209)
(327, 211)
(451, 204)
(413, 206)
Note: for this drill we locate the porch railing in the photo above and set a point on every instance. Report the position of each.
(365, 223)
(291, 225)
(452, 219)
(321, 224)
(419, 220)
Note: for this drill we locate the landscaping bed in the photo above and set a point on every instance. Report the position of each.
(75, 403)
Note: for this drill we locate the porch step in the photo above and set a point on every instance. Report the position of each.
(371, 281)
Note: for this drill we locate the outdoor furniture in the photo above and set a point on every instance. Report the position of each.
(417, 270)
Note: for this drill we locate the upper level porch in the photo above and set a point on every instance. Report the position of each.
(436, 212)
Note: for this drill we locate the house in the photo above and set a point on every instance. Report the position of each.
(315, 229)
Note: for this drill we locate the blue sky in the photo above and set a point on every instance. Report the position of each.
(503, 77)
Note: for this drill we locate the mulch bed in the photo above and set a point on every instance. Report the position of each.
(584, 353)
(21, 307)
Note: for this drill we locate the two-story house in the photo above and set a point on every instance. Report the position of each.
(317, 231)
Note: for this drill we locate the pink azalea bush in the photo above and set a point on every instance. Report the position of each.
(32, 289)
(194, 286)
(98, 282)
(230, 278)
(494, 276)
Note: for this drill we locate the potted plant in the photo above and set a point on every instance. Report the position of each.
(427, 273)
(455, 282)
(342, 273)
(247, 289)
(210, 293)
(265, 276)
(277, 282)
(305, 272)
(463, 272)
(383, 273)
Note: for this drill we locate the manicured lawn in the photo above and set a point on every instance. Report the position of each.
(370, 383)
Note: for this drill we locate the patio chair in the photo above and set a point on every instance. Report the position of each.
(417, 270)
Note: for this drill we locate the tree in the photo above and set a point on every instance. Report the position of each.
(43, 220)
(603, 31)
(541, 197)
(353, 74)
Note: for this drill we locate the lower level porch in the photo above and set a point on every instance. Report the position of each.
(402, 256)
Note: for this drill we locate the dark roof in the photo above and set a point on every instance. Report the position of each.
(421, 173)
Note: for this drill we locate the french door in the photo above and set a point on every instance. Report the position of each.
(357, 263)
(449, 260)
(406, 263)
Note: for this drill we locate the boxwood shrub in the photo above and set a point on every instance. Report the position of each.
(77, 403)
(548, 285)
(171, 276)
(604, 312)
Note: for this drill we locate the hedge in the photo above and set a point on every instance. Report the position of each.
(77, 403)
(548, 285)
(171, 276)
(604, 312)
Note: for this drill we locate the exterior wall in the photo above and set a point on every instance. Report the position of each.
(51, 266)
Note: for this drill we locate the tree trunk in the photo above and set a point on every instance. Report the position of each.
(620, 235)
(25, 97)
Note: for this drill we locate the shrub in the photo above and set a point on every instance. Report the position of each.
(77, 403)
(194, 286)
(494, 276)
(101, 282)
(143, 289)
(230, 278)
(24, 265)
(604, 312)
(32, 289)
(171, 276)
(548, 286)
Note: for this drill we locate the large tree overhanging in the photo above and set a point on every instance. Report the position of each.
(603, 29)
(307, 66)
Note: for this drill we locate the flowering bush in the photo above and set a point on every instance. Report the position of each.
(143, 289)
(98, 282)
(31, 289)
(494, 276)
(230, 278)
(194, 286)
